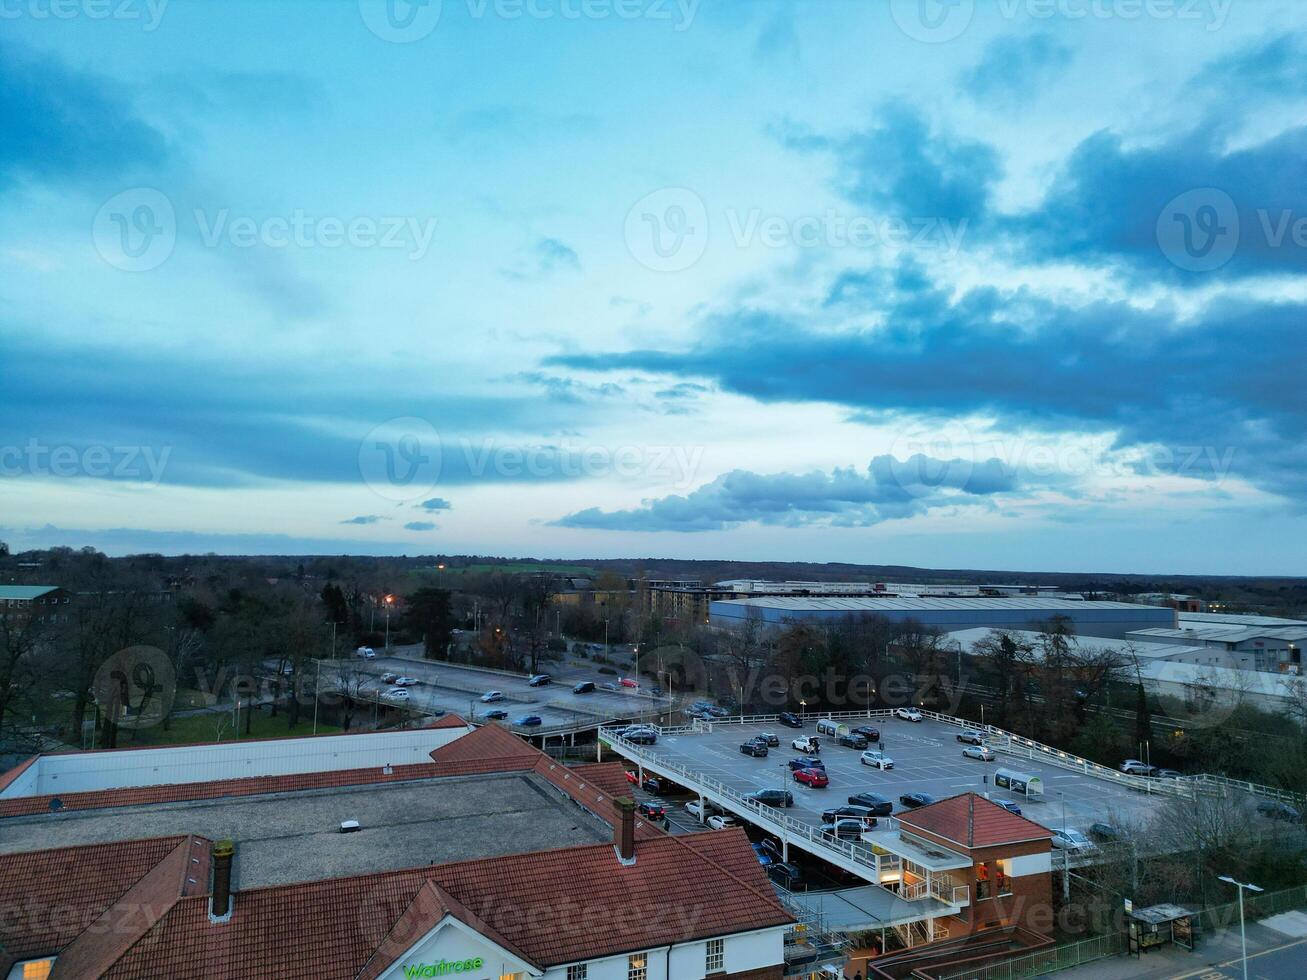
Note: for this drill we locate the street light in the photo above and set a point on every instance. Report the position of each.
(390, 601)
(1243, 936)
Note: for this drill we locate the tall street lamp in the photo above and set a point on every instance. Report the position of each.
(1243, 936)
(390, 602)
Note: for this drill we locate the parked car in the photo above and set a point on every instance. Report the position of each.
(654, 784)
(868, 732)
(844, 830)
(773, 848)
(806, 762)
(629, 682)
(908, 714)
(539, 680)
(812, 778)
(789, 719)
(771, 738)
(771, 797)
(406, 681)
(642, 736)
(1169, 774)
(718, 712)
(982, 752)
(1011, 806)
(972, 738)
(785, 874)
(585, 687)
(697, 809)
(877, 804)
(1275, 810)
(652, 810)
(1105, 832)
(862, 813)
(526, 721)
(490, 697)
(877, 758)
(720, 821)
(1073, 841)
(763, 857)
(754, 748)
(1133, 767)
(851, 740)
(389, 677)
(496, 714)
(914, 800)
(806, 743)
(396, 694)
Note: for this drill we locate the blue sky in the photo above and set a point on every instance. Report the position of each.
(1014, 285)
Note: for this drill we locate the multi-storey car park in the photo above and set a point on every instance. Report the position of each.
(941, 873)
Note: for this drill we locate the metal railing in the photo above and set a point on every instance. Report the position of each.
(1044, 961)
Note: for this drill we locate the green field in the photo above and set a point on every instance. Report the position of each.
(204, 728)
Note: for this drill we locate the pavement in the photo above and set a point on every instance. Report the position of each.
(927, 758)
(1277, 950)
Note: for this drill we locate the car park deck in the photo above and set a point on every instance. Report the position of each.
(927, 758)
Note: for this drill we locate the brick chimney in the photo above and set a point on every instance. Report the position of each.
(624, 829)
(220, 900)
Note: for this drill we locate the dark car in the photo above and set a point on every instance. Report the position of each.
(497, 714)
(844, 830)
(806, 762)
(754, 748)
(771, 738)
(773, 848)
(1275, 810)
(539, 680)
(771, 797)
(642, 736)
(654, 811)
(789, 719)
(527, 720)
(763, 857)
(867, 732)
(914, 800)
(846, 812)
(852, 740)
(585, 687)
(971, 738)
(877, 804)
(1169, 774)
(1011, 806)
(717, 712)
(785, 874)
(1105, 832)
(652, 784)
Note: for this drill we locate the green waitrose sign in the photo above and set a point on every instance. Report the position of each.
(444, 968)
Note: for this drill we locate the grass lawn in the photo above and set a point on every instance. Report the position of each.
(204, 728)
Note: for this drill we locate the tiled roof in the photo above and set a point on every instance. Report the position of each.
(80, 883)
(973, 821)
(555, 907)
(486, 749)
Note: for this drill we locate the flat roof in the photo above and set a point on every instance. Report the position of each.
(1238, 619)
(968, 638)
(968, 603)
(25, 592)
(288, 837)
(1227, 633)
(868, 907)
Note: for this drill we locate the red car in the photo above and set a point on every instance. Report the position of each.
(627, 682)
(816, 778)
(632, 777)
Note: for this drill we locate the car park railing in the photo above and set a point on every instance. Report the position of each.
(770, 818)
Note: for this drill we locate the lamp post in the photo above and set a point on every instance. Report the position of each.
(390, 602)
(317, 688)
(1243, 936)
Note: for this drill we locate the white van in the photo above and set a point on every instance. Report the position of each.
(367, 653)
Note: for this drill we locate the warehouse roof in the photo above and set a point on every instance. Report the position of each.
(929, 603)
(25, 593)
(1228, 633)
(968, 638)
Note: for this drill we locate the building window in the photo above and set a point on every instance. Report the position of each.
(1003, 877)
(37, 969)
(577, 972)
(637, 966)
(716, 959)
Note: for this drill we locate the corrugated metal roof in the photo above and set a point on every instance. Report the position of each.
(871, 604)
(1206, 619)
(970, 637)
(25, 592)
(1230, 634)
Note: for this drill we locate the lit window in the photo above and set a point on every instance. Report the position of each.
(637, 966)
(37, 969)
(577, 972)
(716, 955)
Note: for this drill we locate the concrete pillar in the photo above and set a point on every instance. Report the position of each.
(702, 809)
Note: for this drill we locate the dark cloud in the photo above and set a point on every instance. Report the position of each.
(436, 503)
(365, 519)
(891, 489)
(131, 540)
(1014, 69)
(59, 124)
(420, 526)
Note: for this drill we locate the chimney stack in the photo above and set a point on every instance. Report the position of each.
(624, 829)
(220, 900)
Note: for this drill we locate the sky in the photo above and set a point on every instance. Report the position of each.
(1013, 285)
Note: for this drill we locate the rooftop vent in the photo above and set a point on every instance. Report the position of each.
(349, 826)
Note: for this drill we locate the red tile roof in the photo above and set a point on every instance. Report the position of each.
(48, 897)
(556, 907)
(973, 821)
